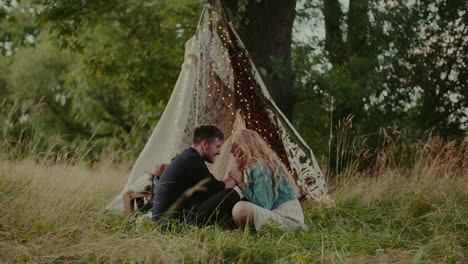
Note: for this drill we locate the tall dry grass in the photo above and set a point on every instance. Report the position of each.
(432, 167)
(44, 207)
(54, 213)
(408, 208)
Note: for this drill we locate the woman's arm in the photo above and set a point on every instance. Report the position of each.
(260, 189)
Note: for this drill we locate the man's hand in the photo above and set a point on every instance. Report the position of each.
(237, 176)
(234, 178)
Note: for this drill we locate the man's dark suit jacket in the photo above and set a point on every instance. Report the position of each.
(186, 170)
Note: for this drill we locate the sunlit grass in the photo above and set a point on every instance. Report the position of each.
(410, 207)
(54, 212)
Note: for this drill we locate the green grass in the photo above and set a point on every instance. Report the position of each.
(54, 213)
(411, 210)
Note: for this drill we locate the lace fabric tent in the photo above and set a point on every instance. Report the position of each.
(219, 84)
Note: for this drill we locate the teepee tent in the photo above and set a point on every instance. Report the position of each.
(219, 85)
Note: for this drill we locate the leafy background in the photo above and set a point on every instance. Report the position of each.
(103, 71)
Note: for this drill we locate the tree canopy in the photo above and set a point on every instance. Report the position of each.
(103, 71)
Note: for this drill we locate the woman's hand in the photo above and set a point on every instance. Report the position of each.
(238, 178)
(239, 156)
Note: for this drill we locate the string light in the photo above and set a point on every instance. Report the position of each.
(252, 103)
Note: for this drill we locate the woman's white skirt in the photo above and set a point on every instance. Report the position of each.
(288, 215)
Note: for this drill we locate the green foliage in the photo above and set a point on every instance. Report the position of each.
(421, 47)
(38, 73)
(129, 57)
(104, 71)
(17, 27)
(20, 135)
(409, 75)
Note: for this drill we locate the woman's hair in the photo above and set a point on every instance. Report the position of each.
(257, 152)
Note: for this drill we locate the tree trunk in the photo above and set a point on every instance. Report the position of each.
(265, 27)
(333, 33)
(358, 22)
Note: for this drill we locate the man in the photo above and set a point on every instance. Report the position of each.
(186, 171)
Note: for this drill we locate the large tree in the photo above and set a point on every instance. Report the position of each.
(265, 27)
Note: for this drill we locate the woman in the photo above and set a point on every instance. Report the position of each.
(271, 190)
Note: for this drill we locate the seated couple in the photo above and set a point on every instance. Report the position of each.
(270, 192)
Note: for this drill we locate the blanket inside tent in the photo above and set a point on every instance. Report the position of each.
(219, 85)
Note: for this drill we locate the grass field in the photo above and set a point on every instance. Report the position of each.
(53, 212)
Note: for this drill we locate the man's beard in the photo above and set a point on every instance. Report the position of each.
(207, 159)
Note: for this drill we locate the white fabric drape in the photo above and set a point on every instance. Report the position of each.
(167, 136)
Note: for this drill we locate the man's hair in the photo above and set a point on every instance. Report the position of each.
(206, 132)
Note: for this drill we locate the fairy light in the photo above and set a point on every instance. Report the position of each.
(248, 99)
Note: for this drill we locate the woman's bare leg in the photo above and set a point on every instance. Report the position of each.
(242, 213)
